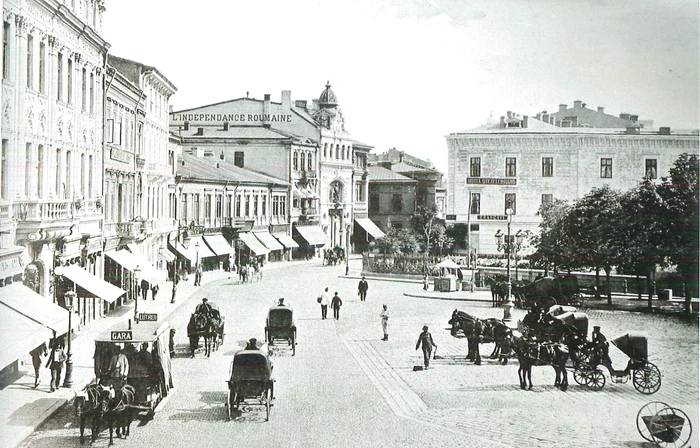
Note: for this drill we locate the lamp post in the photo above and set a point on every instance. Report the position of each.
(137, 277)
(347, 249)
(508, 305)
(519, 237)
(68, 380)
(196, 249)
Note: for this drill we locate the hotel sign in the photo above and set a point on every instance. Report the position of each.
(491, 181)
(233, 118)
(492, 217)
(118, 154)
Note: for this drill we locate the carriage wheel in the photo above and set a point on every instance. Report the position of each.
(647, 380)
(268, 399)
(645, 414)
(595, 380)
(581, 376)
(294, 346)
(670, 427)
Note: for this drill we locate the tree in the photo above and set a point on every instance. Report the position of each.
(441, 240)
(398, 241)
(679, 192)
(552, 244)
(423, 222)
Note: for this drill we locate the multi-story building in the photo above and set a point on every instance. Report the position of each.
(139, 173)
(304, 145)
(392, 198)
(51, 160)
(522, 162)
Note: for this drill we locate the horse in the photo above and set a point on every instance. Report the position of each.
(201, 326)
(105, 403)
(531, 353)
(479, 331)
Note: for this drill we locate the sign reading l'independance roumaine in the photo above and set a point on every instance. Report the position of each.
(233, 118)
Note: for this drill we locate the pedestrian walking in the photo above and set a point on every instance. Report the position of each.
(384, 315)
(144, 289)
(362, 288)
(324, 299)
(336, 303)
(37, 355)
(426, 283)
(198, 275)
(56, 360)
(154, 291)
(425, 340)
(174, 290)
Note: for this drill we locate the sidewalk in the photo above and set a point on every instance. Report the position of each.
(23, 408)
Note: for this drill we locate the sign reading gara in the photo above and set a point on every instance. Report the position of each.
(491, 181)
(240, 118)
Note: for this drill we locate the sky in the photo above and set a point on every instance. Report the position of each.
(409, 72)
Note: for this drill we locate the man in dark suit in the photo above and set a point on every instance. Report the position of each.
(362, 288)
(425, 340)
(336, 303)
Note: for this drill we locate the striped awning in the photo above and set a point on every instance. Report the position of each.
(218, 244)
(91, 283)
(312, 235)
(370, 227)
(268, 241)
(286, 240)
(253, 243)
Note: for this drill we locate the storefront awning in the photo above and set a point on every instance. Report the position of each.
(218, 244)
(268, 241)
(286, 240)
(312, 235)
(297, 193)
(129, 261)
(253, 244)
(25, 334)
(34, 306)
(370, 227)
(165, 255)
(91, 283)
(190, 252)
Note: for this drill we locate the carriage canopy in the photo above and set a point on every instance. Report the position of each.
(280, 316)
(556, 310)
(632, 344)
(251, 365)
(575, 319)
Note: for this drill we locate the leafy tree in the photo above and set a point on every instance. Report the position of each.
(552, 244)
(679, 192)
(423, 222)
(398, 241)
(441, 240)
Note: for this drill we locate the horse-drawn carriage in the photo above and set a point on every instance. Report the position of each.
(646, 377)
(664, 425)
(549, 291)
(280, 326)
(208, 323)
(250, 381)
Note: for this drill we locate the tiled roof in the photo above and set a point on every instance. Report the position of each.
(214, 169)
(378, 173)
(403, 167)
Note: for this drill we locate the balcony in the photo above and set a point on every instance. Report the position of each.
(162, 225)
(45, 220)
(132, 230)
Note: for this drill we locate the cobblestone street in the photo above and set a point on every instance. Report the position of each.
(347, 387)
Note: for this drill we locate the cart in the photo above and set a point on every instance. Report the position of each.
(250, 381)
(280, 327)
(646, 377)
(145, 345)
(664, 425)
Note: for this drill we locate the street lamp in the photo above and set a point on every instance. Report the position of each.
(507, 245)
(196, 249)
(347, 250)
(519, 237)
(68, 380)
(137, 276)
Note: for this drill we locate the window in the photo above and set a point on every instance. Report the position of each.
(92, 92)
(82, 175)
(40, 171)
(476, 204)
(83, 93)
(5, 50)
(139, 138)
(3, 170)
(337, 150)
(475, 167)
(42, 67)
(325, 150)
(283, 206)
(247, 206)
(547, 166)
(510, 167)
(275, 205)
(309, 165)
(219, 205)
(183, 208)
(303, 160)
(421, 196)
(30, 61)
(239, 159)
(342, 152)
(360, 191)
(59, 77)
(650, 168)
(195, 208)
(90, 171)
(28, 169)
(397, 202)
(58, 173)
(606, 168)
(255, 205)
(69, 96)
(228, 206)
(510, 203)
(238, 205)
(264, 205)
(547, 199)
(295, 161)
(69, 161)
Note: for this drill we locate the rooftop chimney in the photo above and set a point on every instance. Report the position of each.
(562, 107)
(286, 99)
(266, 111)
(625, 115)
(225, 125)
(526, 121)
(503, 122)
(665, 130)
(301, 104)
(545, 117)
(601, 110)
(186, 126)
(200, 131)
(577, 104)
(510, 114)
(632, 129)
(170, 108)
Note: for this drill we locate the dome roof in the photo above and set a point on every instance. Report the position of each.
(327, 98)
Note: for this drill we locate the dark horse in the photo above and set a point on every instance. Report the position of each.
(551, 353)
(479, 331)
(206, 325)
(104, 403)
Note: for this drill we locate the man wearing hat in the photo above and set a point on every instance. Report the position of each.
(203, 307)
(425, 339)
(252, 344)
(600, 346)
(281, 302)
(362, 288)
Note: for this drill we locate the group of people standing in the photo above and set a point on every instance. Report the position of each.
(55, 360)
(335, 302)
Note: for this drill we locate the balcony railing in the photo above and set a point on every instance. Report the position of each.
(133, 229)
(309, 211)
(160, 225)
(45, 210)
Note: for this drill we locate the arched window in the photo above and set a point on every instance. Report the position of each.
(302, 165)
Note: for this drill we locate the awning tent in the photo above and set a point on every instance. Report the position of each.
(218, 244)
(447, 263)
(129, 261)
(286, 240)
(165, 255)
(312, 235)
(27, 320)
(253, 243)
(268, 241)
(190, 252)
(370, 227)
(91, 283)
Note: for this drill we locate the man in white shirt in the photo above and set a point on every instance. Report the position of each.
(325, 300)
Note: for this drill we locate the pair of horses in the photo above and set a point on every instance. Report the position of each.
(105, 403)
(565, 344)
(208, 325)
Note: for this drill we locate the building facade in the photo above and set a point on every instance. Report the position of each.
(392, 198)
(523, 162)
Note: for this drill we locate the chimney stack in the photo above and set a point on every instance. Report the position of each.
(286, 100)
(526, 121)
(170, 108)
(562, 107)
(503, 122)
(577, 104)
(545, 117)
(665, 130)
(301, 104)
(266, 111)
(200, 131)
(601, 110)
